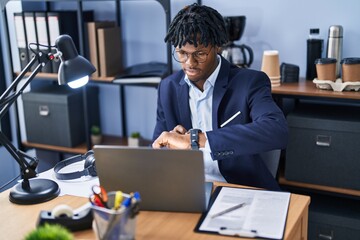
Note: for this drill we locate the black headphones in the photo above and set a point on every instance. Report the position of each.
(89, 166)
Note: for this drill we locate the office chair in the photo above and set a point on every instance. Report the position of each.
(271, 160)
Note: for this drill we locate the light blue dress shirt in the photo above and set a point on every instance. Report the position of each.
(201, 118)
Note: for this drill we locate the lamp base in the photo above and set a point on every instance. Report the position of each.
(34, 191)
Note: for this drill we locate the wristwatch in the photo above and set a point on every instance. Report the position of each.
(194, 138)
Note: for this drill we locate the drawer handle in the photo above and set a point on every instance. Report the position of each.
(323, 140)
(325, 237)
(44, 110)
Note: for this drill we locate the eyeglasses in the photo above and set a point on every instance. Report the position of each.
(182, 56)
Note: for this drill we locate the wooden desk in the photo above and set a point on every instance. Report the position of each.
(18, 220)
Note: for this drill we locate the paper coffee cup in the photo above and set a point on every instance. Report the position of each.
(326, 69)
(350, 69)
(271, 64)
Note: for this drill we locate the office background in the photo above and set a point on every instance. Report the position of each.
(276, 24)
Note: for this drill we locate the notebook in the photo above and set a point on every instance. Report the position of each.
(167, 180)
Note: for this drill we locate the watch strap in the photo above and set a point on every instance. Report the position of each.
(194, 138)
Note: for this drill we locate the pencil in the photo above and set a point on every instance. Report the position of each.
(230, 119)
(228, 210)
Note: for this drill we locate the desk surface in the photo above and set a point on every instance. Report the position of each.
(17, 220)
(306, 88)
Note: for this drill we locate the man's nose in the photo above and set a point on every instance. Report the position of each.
(190, 59)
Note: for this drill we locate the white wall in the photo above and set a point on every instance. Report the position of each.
(273, 24)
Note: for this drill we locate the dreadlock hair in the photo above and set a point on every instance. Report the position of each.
(197, 24)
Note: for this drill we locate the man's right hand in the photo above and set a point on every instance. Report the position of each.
(173, 140)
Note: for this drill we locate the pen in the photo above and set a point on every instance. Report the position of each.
(238, 232)
(228, 210)
(230, 119)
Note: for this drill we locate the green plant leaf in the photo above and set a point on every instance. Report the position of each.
(95, 130)
(50, 232)
(135, 135)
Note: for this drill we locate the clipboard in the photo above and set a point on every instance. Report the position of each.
(241, 220)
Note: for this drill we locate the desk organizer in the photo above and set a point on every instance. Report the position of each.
(337, 86)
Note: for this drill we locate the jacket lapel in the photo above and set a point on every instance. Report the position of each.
(219, 90)
(183, 103)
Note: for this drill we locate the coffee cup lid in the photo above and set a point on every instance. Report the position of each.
(353, 60)
(325, 60)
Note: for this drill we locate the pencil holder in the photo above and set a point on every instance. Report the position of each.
(113, 224)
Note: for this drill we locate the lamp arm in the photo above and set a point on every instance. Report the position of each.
(18, 78)
(39, 57)
(27, 167)
(5, 100)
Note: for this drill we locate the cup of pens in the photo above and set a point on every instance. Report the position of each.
(115, 218)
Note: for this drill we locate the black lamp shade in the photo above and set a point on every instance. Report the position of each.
(73, 66)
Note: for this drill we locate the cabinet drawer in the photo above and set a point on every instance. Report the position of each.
(323, 146)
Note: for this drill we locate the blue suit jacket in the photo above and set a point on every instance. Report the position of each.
(260, 127)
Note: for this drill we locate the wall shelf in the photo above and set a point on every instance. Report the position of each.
(82, 148)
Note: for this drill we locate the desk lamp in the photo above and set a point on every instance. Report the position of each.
(74, 70)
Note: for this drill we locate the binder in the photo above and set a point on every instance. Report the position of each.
(109, 44)
(43, 37)
(92, 36)
(21, 39)
(29, 19)
(65, 22)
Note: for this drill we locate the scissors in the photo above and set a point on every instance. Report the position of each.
(99, 197)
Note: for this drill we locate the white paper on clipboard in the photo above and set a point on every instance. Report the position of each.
(263, 213)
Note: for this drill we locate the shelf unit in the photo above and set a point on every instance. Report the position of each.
(99, 80)
(306, 89)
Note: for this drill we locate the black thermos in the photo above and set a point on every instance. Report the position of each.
(314, 51)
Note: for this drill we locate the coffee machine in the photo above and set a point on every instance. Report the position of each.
(240, 55)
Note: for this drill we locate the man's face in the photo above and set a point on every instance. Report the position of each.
(199, 62)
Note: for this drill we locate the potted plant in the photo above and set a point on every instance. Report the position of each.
(96, 136)
(50, 231)
(134, 139)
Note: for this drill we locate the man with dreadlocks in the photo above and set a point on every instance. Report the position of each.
(226, 111)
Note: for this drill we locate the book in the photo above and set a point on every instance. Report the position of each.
(91, 29)
(109, 44)
(248, 213)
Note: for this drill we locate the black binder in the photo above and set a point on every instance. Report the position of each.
(21, 39)
(31, 36)
(43, 37)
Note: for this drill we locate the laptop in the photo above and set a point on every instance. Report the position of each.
(167, 180)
